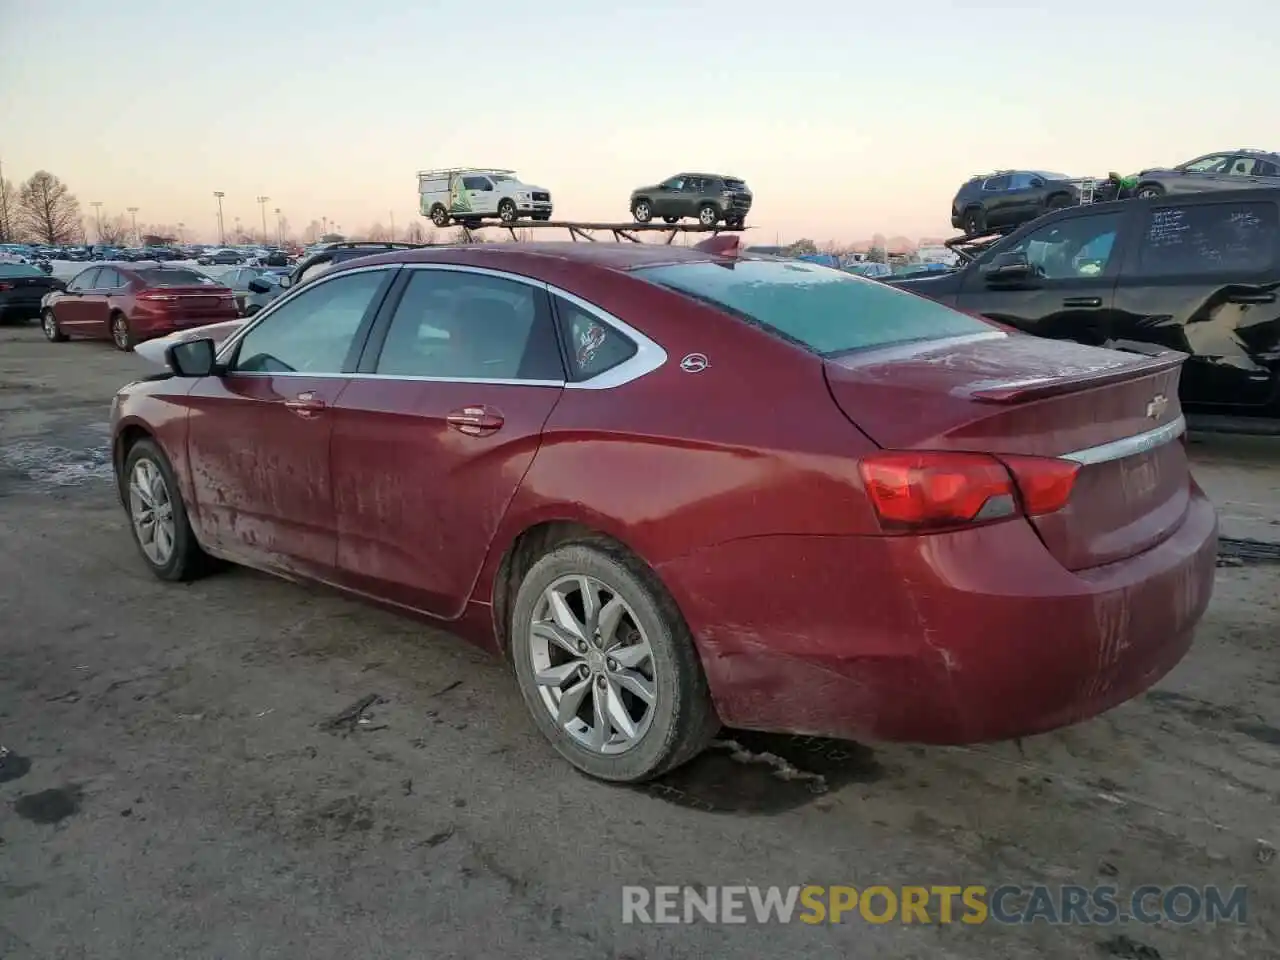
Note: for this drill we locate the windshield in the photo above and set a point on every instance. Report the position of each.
(163, 277)
(823, 310)
(19, 270)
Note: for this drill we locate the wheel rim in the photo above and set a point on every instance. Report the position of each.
(120, 332)
(507, 212)
(593, 665)
(708, 216)
(50, 327)
(151, 510)
(642, 211)
(1146, 192)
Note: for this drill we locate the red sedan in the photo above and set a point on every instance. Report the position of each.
(680, 488)
(130, 304)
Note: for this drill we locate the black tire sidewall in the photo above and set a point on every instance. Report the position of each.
(509, 216)
(715, 215)
(187, 553)
(648, 208)
(677, 670)
(56, 334)
(439, 216)
(116, 318)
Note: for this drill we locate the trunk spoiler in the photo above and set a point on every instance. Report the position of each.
(1023, 391)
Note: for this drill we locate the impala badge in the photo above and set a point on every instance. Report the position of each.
(1158, 405)
(695, 363)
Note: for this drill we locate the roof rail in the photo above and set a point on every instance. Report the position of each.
(447, 171)
(583, 229)
(383, 244)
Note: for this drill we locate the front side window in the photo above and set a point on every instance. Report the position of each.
(823, 310)
(997, 183)
(1209, 238)
(458, 325)
(675, 183)
(314, 332)
(85, 279)
(1217, 163)
(1067, 249)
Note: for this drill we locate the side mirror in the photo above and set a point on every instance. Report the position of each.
(259, 286)
(192, 358)
(1009, 268)
(286, 281)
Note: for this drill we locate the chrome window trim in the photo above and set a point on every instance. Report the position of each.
(229, 345)
(1129, 446)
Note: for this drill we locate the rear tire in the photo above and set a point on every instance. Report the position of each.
(632, 664)
(49, 324)
(1147, 191)
(439, 215)
(121, 332)
(158, 517)
(973, 223)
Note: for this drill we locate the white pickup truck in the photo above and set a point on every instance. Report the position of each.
(469, 194)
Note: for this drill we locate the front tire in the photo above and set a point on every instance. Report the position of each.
(708, 215)
(642, 211)
(158, 517)
(607, 666)
(49, 324)
(121, 333)
(439, 216)
(507, 212)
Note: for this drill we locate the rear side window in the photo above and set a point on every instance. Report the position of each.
(997, 183)
(1209, 238)
(823, 310)
(175, 278)
(592, 345)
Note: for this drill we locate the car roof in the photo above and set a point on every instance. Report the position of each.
(610, 256)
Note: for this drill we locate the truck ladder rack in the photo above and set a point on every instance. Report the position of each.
(583, 229)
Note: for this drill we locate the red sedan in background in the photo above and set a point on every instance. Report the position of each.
(685, 487)
(130, 304)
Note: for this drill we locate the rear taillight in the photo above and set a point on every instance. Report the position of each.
(931, 490)
(156, 296)
(5, 286)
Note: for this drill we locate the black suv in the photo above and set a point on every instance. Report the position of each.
(1009, 198)
(711, 197)
(1197, 273)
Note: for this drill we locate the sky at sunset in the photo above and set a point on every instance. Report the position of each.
(845, 119)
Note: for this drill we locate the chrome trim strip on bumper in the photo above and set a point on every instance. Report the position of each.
(1129, 446)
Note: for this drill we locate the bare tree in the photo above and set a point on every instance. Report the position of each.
(114, 230)
(47, 211)
(415, 233)
(161, 232)
(8, 212)
(377, 232)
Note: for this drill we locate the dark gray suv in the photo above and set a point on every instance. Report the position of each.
(711, 197)
(1225, 170)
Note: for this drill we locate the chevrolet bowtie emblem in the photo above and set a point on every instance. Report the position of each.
(1158, 405)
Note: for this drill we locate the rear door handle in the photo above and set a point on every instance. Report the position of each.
(1082, 302)
(477, 421)
(1251, 298)
(306, 405)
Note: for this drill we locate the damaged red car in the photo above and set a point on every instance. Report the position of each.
(685, 488)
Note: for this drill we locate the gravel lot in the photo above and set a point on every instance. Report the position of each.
(171, 790)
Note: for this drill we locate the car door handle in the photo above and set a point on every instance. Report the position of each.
(1251, 298)
(306, 405)
(478, 421)
(1082, 302)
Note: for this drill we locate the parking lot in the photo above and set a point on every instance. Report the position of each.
(178, 783)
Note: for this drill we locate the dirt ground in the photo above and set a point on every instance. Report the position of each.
(171, 789)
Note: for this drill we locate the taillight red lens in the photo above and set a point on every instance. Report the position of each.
(5, 286)
(928, 490)
(156, 296)
(931, 490)
(1045, 483)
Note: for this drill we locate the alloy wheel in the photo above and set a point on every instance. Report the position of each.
(151, 510)
(593, 664)
(50, 325)
(641, 212)
(120, 332)
(707, 216)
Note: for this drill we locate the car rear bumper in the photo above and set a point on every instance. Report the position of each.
(954, 638)
(18, 309)
(146, 325)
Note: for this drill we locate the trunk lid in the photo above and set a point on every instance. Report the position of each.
(196, 304)
(1115, 413)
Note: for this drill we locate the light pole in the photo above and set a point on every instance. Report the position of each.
(222, 233)
(279, 228)
(97, 210)
(182, 232)
(133, 215)
(393, 225)
(262, 208)
(324, 222)
(239, 230)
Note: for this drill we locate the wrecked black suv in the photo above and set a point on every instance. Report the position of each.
(1197, 273)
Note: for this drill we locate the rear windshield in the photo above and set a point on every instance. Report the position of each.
(163, 277)
(20, 270)
(823, 310)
